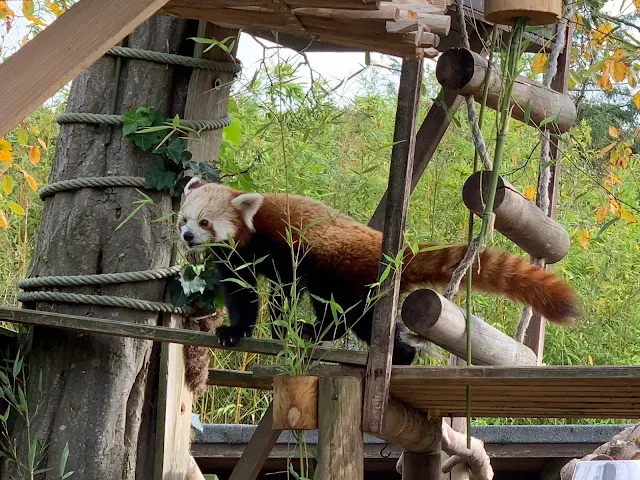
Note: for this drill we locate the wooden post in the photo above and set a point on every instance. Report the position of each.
(295, 402)
(203, 102)
(340, 439)
(441, 321)
(428, 137)
(110, 382)
(384, 313)
(421, 466)
(464, 71)
(534, 337)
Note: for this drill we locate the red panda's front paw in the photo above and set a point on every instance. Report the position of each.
(229, 336)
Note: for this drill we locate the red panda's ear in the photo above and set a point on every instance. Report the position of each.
(248, 204)
(192, 184)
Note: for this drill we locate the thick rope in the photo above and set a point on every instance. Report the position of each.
(103, 300)
(98, 279)
(90, 182)
(105, 119)
(544, 181)
(172, 59)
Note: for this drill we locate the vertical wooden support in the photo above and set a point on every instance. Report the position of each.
(257, 450)
(428, 138)
(384, 314)
(459, 424)
(534, 336)
(421, 466)
(340, 439)
(175, 401)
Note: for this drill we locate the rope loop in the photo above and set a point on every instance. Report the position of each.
(173, 59)
(116, 120)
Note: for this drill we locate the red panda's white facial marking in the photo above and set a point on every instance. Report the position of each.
(212, 212)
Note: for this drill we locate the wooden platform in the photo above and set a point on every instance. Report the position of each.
(503, 392)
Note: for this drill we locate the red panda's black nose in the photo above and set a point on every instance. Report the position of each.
(188, 236)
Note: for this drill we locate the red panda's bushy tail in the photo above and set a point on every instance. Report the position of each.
(497, 272)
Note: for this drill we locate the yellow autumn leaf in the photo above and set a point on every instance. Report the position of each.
(24, 40)
(43, 144)
(55, 9)
(16, 208)
(584, 238)
(3, 220)
(603, 31)
(606, 149)
(620, 71)
(36, 20)
(628, 215)
(614, 156)
(6, 151)
(614, 205)
(580, 21)
(27, 8)
(632, 78)
(605, 78)
(33, 185)
(590, 359)
(540, 63)
(34, 155)
(637, 4)
(5, 11)
(601, 214)
(530, 193)
(614, 132)
(7, 184)
(22, 137)
(636, 99)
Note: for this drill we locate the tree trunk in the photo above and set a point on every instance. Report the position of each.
(99, 391)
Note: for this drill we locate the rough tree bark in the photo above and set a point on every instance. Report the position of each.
(99, 390)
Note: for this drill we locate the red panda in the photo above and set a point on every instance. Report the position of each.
(340, 260)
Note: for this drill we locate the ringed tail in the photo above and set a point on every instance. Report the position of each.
(497, 272)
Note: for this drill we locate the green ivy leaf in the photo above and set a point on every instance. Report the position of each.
(147, 141)
(159, 178)
(173, 150)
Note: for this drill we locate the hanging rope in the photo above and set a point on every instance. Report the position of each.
(544, 181)
(106, 119)
(90, 182)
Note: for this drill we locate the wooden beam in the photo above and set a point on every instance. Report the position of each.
(340, 439)
(75, 40)
(534, 336)
(441, 321)
(428, 137)
(166, 334)
(257, 450)
(384, 312)
(464, 71)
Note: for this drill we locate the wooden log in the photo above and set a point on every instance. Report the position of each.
(391, 14)
(295, 402)
(439, 24)
(421, 466)
(257, 451)
(340, 439)
(518, 219)
(62, 50)
(441, 321)
(463, 71)
(410, 429)
(211, 5)
(535, 12)
(385, 310)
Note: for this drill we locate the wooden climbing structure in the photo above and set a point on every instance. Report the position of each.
(359, 392)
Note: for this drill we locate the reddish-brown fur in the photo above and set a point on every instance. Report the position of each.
(353, 250)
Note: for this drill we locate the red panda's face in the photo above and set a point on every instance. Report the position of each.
(211, 213)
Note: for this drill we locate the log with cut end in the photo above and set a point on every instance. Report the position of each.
(295, 402)
(410, 429)
(439, 320)
(463, 71)
(535, 12)
(518, 219)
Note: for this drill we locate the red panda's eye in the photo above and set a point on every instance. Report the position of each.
(204, 223)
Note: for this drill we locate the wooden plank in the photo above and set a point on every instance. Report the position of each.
(534, 336)
(257, 450)
(166, 334)
(421, 466)
(240, 379)
(75, 40)
(384, 312)
(340, 439)
(428, 137)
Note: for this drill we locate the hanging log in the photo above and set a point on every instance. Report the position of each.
(535, 12)
(518, 219)
(463, 71)
(442, 322)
